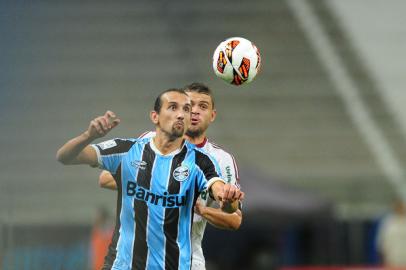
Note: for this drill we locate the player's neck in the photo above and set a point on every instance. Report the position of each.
(166, 145)
(196, 140)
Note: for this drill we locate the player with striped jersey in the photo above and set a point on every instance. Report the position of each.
(203, 113)
(158, 179)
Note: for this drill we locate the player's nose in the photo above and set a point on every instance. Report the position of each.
(181, 115)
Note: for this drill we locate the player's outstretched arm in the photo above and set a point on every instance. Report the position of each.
(107, 181)
(219, 218)
(78, 150)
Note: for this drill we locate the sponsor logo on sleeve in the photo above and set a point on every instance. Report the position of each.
(228, 174)
(107, 144)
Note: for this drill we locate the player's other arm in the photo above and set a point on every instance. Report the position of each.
(226, 195)
(219, 218)
(215, 216)
(107, 181)
(78, 150)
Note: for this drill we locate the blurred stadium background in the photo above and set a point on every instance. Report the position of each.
(319, 135)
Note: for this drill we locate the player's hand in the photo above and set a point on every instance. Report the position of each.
(229, 198)
(101, 125)
(231, 193)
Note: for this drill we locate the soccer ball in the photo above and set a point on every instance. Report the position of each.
(236, 60)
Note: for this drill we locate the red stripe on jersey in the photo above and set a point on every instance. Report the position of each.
(143, 134)
(237, 175)
(216, 146)
(200, 145)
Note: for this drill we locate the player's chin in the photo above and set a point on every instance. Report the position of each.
(178, 131)
(193, 132)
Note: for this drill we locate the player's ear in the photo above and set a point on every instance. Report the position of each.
(154, 117)
(213, 115)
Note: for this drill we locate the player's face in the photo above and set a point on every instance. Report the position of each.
(175, 114)
(203, 114)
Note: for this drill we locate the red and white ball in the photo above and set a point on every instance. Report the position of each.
(236, 60)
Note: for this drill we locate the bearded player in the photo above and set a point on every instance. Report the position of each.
(206, 209)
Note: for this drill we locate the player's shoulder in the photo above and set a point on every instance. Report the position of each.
(127, 141)
(199, 152)
(115, 146)
(116, 141)
(147, 134)
(217, 151)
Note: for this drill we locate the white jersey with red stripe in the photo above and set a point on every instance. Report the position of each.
(229, 172)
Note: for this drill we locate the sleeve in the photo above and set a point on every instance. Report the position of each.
(229, 169)
(209, 169)
(110, 153)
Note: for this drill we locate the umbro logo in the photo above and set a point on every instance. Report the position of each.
(139, 164)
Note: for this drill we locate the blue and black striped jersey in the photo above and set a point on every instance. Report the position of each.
(156, 195)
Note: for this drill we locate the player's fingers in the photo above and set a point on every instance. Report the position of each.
(115, 123)
(101, 126)
(100, 122)
(98, 129)
(242, 195)
(233, 193)
(226, 191)
(104, 124)
(95, 126)
(220, 196)
(109, 113)
(110, 116)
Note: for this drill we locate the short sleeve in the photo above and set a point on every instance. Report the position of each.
(229, 169)
(209, 171)
(110, 153)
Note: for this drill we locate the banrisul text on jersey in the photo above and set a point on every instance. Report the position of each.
(165, 200)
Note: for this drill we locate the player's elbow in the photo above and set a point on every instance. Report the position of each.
(103, 181)
(102, 184)
(236, 221)
(236, 225)
(106, 180)
(61, 157)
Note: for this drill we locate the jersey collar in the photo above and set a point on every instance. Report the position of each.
(200, 145)
(156, 150)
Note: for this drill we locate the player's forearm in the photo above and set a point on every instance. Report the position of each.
(222, 220)
(71, 152)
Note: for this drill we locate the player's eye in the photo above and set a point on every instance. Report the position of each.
(172, 107)
(203, 106)
(187, 109)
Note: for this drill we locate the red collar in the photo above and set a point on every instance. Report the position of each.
(200, 145)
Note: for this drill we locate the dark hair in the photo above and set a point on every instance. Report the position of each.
(199, 88)
(158, 100)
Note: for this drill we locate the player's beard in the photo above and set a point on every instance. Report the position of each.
(194, 133)
(176, 133)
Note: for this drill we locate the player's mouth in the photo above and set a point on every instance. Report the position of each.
(194, 121)
(179, 124)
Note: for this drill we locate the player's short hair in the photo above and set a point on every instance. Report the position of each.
(158, 100)
(200, 88)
